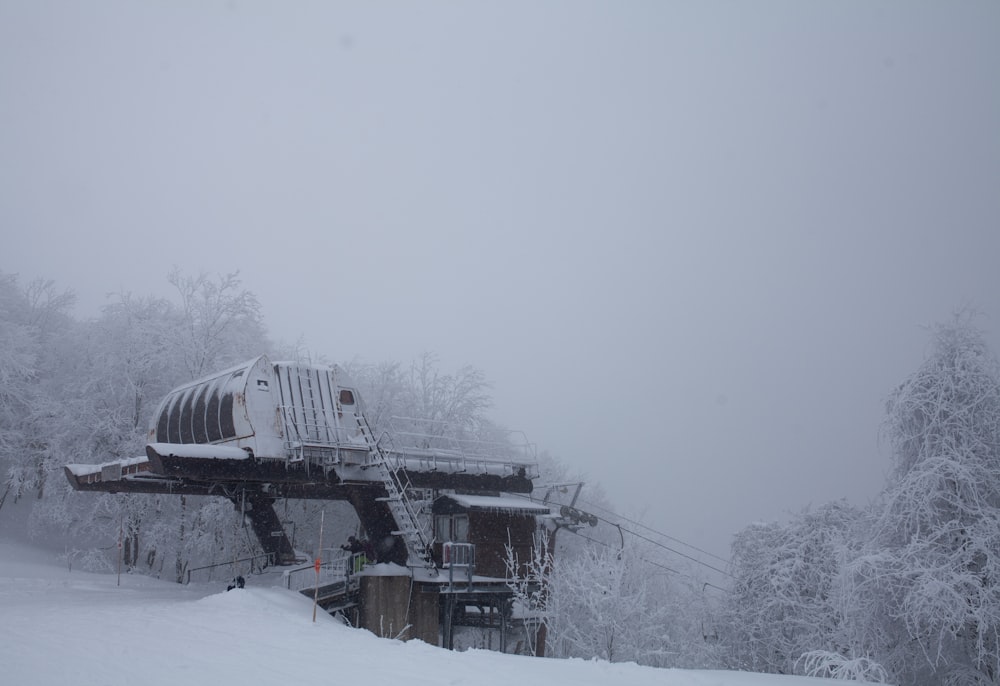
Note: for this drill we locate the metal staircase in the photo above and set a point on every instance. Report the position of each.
(418, 544)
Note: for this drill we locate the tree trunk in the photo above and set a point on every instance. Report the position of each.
(180, 565)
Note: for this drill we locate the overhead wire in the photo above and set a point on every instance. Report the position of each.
(705, 584)
(666, 547)
(650, 540)
(608, 545)
(658, 533)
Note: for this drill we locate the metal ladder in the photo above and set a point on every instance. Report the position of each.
(418, 546)
(413, 535)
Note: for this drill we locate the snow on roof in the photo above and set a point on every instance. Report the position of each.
(205, 451)
(84, 469)
(507, 503)
(225, 372)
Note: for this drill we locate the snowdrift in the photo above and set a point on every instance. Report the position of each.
(70, 627)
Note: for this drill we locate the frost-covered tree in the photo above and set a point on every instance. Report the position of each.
(115, 369)
(595, 601)
(930, 577)
(221, 323)
(439, 407)
(528, 581)
(383, 386)
(99, 388)
(18, 365)
(423, 406)
(616, 604)
(36, 332)
(787, 595)
(589, 551)
(137, 357)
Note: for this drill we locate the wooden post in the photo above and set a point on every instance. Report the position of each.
(121, 531)
(319, 562)
(502, 603)
(447, 631)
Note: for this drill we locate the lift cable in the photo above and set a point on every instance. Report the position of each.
(608, 545)
(705, 584)
(655, 542)
(658, 533)
(666, 547)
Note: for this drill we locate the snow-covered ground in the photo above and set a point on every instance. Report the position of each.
(62, 627)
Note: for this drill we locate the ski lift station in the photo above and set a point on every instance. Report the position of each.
(441, 510)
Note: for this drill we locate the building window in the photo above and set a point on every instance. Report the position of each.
(187, 416)
(454, 528)
(198, 421)
(212, 414)
(174, 422)
(226, 417)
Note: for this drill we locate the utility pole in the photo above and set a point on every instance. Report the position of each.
(540, 635)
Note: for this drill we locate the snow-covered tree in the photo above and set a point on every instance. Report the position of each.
(221, 323)
(382, 386)
(18, 364)
(440, 408)
(617, 604)
(787, 595)
(423, 406)
(97, 392)
(36, 332)
(930, 577)
(528, 581)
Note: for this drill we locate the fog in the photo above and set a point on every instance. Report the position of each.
(692, 245)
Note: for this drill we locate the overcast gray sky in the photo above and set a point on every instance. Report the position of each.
(692, 244)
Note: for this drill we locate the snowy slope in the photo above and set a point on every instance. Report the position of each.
(59, 627)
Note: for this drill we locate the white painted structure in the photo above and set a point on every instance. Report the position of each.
(277, 410)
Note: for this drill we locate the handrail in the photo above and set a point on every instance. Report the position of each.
(340, 567)
(458, 556)
(433, 461)
(434, 451)
(466, 445)
(323, 423)
(268, 560)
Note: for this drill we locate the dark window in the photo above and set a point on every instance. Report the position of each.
(226, 416)
(187, 413)
(346, 397)
(212, 415)
(454, 528)
(174, 425)
(200, 433)
(161, 424)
